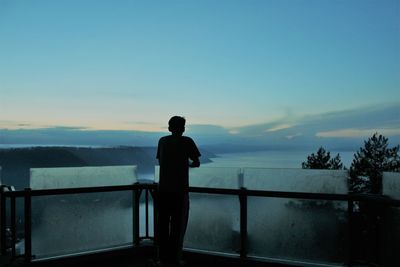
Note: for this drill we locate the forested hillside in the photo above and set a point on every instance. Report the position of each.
(16, 162)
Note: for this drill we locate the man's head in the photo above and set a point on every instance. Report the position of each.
(176, 125)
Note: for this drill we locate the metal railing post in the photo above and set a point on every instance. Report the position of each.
(350, 208)
(3, 238)
(136, 214)
(243, 222)
(155, 214)
(147, 212)
(28, 224)
(13, 226)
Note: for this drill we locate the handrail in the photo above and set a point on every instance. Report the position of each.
(243, 194)
(220, 191)
(80, 190)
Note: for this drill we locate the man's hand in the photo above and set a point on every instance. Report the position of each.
(195, 163)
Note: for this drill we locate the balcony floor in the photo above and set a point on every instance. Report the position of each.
(143, 257)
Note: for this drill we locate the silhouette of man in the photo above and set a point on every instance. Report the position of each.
(174, 153)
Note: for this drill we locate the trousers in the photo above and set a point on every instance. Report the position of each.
(173, 215)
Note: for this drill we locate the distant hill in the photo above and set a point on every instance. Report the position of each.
(16, 162)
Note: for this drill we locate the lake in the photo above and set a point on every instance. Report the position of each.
(264, 159)
(271, 159)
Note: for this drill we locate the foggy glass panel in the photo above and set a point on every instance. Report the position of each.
(214, 223)
(20, 225)
(73, 177)
(76, 223)
(391, 184)
(68, 224)
(297, 230)
(390, 237)
(212, 177)
(142, 216)
(296, 180)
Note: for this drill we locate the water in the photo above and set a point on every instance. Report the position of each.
(263, 159)
(271, 159)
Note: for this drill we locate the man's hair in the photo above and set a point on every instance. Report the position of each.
(176, 123)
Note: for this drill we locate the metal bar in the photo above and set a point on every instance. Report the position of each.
(223, 191)
(350, 209)
(147, 212)
(243, 223)
(13, 227)
(155, 215)
(279, 194)
(136, 214)
(65, 191)
(80, 190)
(3, 221)
(28, 225)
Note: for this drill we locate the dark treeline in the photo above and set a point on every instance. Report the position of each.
(16, 162)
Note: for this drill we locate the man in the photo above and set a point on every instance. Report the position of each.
(174, 153)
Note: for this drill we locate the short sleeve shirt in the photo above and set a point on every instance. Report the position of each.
(173, 153)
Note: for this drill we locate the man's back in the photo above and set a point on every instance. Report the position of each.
(173, 153)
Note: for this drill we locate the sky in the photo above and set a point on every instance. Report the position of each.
(250, 72)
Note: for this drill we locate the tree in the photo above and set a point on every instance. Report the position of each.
(323, 160)
(370, 162)
(366, 173)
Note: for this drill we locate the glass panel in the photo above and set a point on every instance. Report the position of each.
(297, 230)
(296, 180)
(214, 223)
(391, 237)
(151, 216)
(20, 226)
(215, 177)
(142, 216)
(76, 223)
(73, 177)
(391, 184)
(67, 224)
(212, 177)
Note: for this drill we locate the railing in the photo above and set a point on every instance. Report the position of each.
(9, 246)
(9, 223)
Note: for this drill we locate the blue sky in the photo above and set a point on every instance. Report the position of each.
(244, 68)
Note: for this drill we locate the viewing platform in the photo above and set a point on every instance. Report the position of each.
(102, 216)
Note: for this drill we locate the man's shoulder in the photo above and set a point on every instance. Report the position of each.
(187, 138)
(173, 139)
(164, 138)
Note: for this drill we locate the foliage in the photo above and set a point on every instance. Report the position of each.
(323, 160)
(370, 162)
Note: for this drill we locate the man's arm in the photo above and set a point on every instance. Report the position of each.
(194, 154)
(195, 162)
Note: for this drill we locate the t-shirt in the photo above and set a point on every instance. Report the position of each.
(173, 154)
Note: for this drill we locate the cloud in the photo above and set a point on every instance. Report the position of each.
(77, 136)
(293, 136)
(359, 133)
(264, 128)
(385, 118)
(279, 127)
(373, 117)
(345, 129)
(206, 129)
